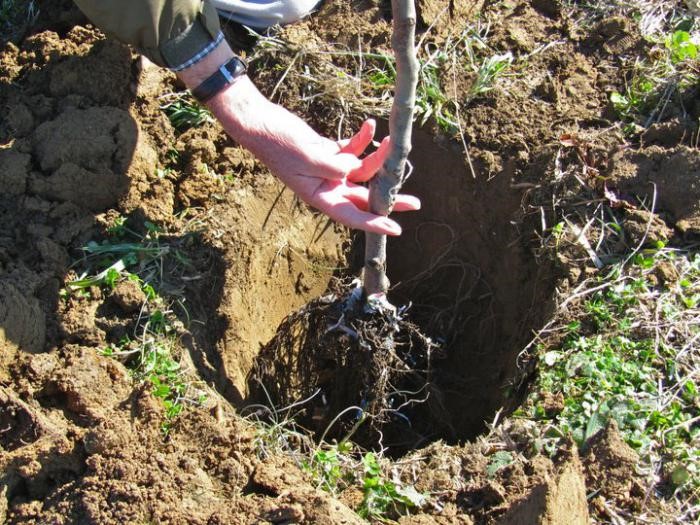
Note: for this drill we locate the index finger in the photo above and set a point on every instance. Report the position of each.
(359, 142)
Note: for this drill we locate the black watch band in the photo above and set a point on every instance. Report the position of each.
(221, 78)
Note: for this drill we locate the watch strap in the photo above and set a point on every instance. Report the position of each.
(222, 77)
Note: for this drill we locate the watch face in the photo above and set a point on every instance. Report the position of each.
(236, 66)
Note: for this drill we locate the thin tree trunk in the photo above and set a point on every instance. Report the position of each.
(384, 187)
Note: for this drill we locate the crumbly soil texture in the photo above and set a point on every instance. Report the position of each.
(83, 141)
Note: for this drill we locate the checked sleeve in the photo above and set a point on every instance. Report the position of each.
(171, 33)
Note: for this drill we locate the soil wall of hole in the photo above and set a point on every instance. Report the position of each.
(465, 263)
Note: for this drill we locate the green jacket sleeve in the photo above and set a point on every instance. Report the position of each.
(171, 33)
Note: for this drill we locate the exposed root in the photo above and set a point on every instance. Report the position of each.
(373, 359)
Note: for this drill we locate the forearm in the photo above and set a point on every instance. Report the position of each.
(320, 171)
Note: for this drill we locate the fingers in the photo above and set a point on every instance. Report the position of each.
(371, 163)
(345, 212)
(333, 167)
(359, 196)
(345, 163)
(359, 142)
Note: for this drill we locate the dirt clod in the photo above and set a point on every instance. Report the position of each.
(610, 465)
(128, 296)
(670, 178)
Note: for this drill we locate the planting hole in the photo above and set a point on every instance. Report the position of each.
(464, 264)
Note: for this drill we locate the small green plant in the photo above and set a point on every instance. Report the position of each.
(331, 466)
(334, 468)
(498, 460)
(431, 99)
(638, 96)
(150, 359)
(157, 366)
(681, 46)
(125, 254)
(489, 71)
(653, 81)
(150, 355)
(382, 497)
(610, 365)
(185, 113)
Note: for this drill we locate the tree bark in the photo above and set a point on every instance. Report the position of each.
(387, 183)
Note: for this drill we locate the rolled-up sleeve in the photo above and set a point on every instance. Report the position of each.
(171, 33)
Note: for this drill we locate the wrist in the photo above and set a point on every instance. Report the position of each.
(255, 123)
(197, 73)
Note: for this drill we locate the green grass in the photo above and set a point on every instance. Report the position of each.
(362, 82)
(151, 351)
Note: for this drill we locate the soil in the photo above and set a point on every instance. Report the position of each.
(83, 139)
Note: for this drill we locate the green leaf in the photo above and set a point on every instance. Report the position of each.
(682, 47)
(618, 99)
(161, 391)
(111, 277)
(679, 476)
(596, 423)
(411, 497)
(371, 465)
(499, 460)
(550, 358)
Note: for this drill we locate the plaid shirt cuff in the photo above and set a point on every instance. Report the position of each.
(200, 54)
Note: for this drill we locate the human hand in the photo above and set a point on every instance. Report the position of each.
(323, 173)
(327, 173)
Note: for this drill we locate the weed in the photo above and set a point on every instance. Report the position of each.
(150, 355)
(498, 460)
(336, 467)
(654, 81)
(632, 358)
(431, 100)
(383, 497)
(331, 467)
(681, 46)
(488, 72)
(361, 82)
(184, 112)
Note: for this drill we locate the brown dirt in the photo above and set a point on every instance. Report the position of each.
(610, 466)
(81, 442)
(669, 178)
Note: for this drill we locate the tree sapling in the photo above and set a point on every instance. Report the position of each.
(384, 187)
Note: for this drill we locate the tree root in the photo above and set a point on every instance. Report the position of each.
(362, 370)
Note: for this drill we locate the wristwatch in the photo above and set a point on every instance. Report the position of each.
(221, 78)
